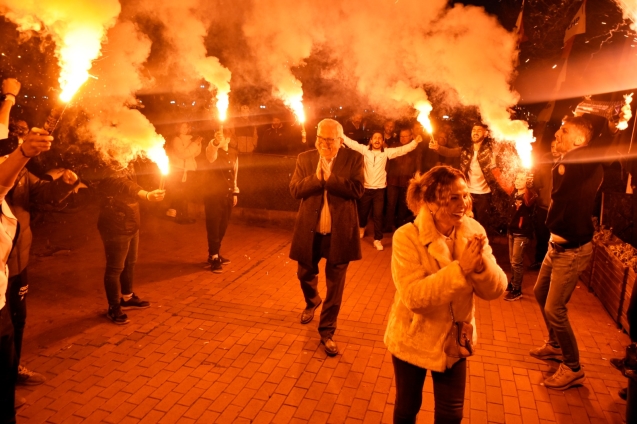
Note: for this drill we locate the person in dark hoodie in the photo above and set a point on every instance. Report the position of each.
(118, 224)
(520, 232)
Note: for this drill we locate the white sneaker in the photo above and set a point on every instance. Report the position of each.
(171, 213)
(565, 378)
(361, 232)
(378, 245)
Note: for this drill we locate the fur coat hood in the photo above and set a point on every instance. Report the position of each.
(428, 280)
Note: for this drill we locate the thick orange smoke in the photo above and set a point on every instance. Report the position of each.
(280, 41)
(77, 28)
(393, 49)
(629, 7)
(184, 26)
(118, 130)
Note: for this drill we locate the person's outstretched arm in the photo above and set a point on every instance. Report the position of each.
(35, 142)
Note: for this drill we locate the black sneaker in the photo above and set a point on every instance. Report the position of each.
(509, 287)
(134, 302)
(215, 266)
(513, 295)
(623, 393)
(224, 261)
(116, 315)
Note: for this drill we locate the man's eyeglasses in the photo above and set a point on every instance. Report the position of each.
(329, 141)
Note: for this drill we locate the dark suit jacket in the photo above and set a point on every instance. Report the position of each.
(344, 186)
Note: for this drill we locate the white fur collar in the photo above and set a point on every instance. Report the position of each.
(431, 238)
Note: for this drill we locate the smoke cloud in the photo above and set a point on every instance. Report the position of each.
(116, 126)
(390, 51)
(629, 7)
(394, 49)
(185, 28)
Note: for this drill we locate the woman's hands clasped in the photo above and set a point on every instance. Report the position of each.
(471, 259)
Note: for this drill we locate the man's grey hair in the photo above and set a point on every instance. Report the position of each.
(331, 122)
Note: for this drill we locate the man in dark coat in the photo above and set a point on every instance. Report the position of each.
(328, 181)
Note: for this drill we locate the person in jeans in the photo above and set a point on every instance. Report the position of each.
(576, 178)
(520, 232)
(220, 195)
(376, 157)
(438, 264)
(118, 224)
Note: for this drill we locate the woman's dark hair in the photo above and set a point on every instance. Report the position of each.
(433, 186)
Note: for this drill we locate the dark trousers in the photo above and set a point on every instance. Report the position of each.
(373, 199)
(482, 210)
(8, 368)
(17, 300)
(218, 210)
(449, 388)
(398, 214)
(334, 279)
(121, 256)
(631, 402)
(542, 234)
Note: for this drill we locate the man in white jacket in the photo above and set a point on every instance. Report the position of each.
(376, 157)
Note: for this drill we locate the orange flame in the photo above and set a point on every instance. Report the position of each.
(518, 132)
(424, 108)
(222, 105)
(77, 28)
(80, 47)
(296, 104)
(628, 99)
(157, 154)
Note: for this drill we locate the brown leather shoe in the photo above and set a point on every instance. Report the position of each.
(330, 347)
(308, 314)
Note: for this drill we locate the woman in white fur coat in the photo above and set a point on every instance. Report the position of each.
(440, 260)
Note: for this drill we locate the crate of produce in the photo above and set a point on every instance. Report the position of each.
(608, 280)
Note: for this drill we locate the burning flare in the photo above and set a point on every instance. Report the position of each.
(628, 99)
(424, 108)
(296, 104)
(77, 27)
(157, 154)
(222, 105)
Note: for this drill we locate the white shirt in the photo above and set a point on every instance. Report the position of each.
(8, 228)
(376, 160)
(4, 131)
(477, 182)
(324, 225)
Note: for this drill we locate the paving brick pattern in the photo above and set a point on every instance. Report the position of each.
(229, 348)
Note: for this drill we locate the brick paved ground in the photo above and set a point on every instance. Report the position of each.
(229, 348)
